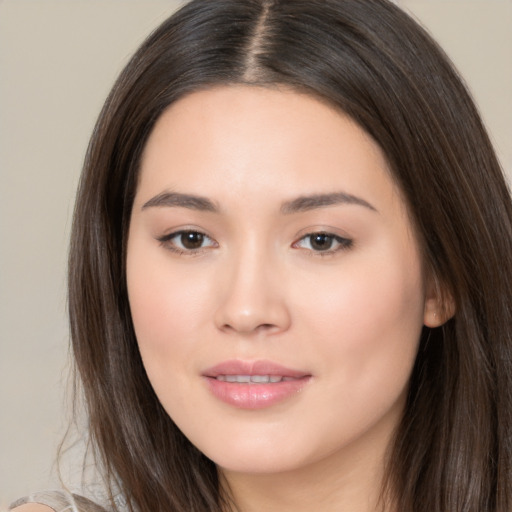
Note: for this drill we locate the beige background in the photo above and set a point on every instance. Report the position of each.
(57, 62)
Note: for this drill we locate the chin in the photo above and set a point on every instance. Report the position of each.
(261, 456)
(259, 464)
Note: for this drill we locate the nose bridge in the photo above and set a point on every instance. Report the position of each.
(253, 299)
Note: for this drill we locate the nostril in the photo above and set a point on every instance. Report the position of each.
(248, 328)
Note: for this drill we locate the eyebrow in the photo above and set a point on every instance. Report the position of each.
(300, 204)
(306, 203)
(176, 199)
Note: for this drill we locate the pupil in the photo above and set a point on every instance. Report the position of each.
(321, 242)
(192, 240)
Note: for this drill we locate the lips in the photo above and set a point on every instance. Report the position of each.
(254, 385)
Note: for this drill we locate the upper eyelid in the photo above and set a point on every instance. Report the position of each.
(339, 238)
(329, 231)
(321, 232)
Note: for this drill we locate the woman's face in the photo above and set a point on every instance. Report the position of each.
(274, 280)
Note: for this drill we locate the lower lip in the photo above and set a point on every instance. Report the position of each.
(255, 396)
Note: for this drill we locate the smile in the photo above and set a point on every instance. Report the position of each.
(254, 384)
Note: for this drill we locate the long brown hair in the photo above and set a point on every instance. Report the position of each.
(452, 451)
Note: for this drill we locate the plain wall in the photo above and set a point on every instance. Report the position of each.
(58, 60)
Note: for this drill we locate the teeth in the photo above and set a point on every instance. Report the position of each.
(257, 379)
(253, 379)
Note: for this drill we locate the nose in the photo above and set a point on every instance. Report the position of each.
(252, 297)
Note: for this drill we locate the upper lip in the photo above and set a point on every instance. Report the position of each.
(260, 367)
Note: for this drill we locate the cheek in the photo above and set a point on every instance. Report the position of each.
(368, 315)
(167, 315)
(167, 305)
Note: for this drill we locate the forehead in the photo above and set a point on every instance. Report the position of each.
(261, 141)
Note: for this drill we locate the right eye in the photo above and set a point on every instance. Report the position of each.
(187, 241)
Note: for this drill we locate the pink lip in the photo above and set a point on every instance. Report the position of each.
(254, 396)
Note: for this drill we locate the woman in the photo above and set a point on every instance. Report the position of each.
(290, 272)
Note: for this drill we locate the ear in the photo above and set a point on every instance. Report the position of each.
(439, 304)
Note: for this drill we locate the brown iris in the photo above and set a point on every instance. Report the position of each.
(321, 241)
(192, 240)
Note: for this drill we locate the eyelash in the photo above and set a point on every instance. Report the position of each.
(167, 242)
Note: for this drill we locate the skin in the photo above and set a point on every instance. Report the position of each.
(350, 317)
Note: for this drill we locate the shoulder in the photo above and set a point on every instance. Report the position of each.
(51, 501)
(55, 501)
(32, 507)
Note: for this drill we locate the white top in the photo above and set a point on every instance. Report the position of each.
(60, 501)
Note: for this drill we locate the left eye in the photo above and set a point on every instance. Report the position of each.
(323, 242)
(187, 240)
